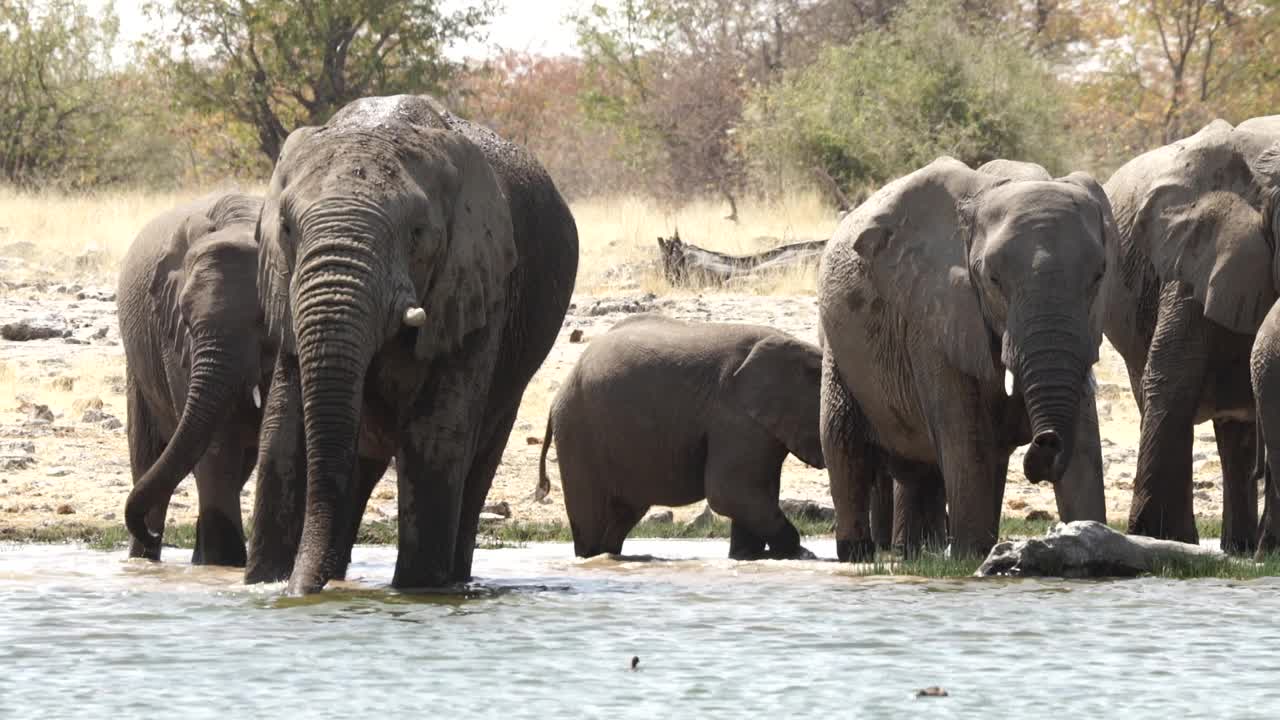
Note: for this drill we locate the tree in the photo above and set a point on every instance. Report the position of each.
(55, 118)
(278, 64)
(927, 84)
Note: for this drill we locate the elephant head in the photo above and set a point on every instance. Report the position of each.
(381, 232)
(1005, 278)
(1205, 211)
(204, 303)
(777, 385)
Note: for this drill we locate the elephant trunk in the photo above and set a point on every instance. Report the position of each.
(209, 395)
(337, 326)
(1050, 361)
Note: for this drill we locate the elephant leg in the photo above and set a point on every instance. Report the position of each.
(882, 509)
(145, 448)
(1171, 385)
(1239, 485)
(220, 474)
(742, 477)
(621, 518)
(479, 481)
(368, 472)
(851, 469)
(920, 511)
(744, 544)
(280, 499)
(1267, 447)
(972, 457)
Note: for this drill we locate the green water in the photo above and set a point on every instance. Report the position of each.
(540, 634)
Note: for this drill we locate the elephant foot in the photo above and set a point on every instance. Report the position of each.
(146, 551)
(218, 541)
(855, 551)
(1238, 545)
(800, 552)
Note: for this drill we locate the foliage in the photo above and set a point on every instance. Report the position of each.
(274, 65)
(895, 98)
(55, 112)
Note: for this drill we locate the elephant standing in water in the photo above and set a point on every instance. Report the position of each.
(197, 361)
(417, 268)
(664, 412)
(961, 312)
(1198, 231)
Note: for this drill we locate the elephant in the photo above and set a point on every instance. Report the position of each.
(416, 268)
(660, 411)
(1197, 225)
(1264, 367)
(941, 284)
(197, 362)
(1015, 170)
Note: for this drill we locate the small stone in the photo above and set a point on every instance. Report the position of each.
(501, 509)
(1017, 504)
(36, 413)
(808, 510)
(31, 329)
(933, 691)
(491, 517)
(66, 509)
(112, 423)
(1206, 485)
(1039, 515)
(704, 518)
(575, 336)
(108, 516)
(24, 446)
(21, 462)
(635, 662)
(531, 440)
(100, 333)
(57, 472)
(659, 517)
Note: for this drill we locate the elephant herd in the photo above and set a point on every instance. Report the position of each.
(407, 272)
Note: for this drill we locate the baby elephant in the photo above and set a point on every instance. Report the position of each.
(664, 412)
(195, 354)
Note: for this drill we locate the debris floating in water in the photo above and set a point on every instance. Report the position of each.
(932, 691)
(635, 661)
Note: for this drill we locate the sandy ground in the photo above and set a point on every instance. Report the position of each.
(69, 464)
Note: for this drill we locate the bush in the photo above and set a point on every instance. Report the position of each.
(895, 98)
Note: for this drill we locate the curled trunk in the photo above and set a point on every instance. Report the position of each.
(1050, 361)
(209, 395)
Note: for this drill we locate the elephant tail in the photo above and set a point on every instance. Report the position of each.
(208, 394)
(544, 482)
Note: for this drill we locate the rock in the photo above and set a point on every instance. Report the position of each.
(66, 509)
(16, 462)
(1039, 515)
(704, 519)
(659, 517)
(1017, 504)
(490, 517)
(1206, 485)
(808, 510)
(34, 329)
(36, 413)
(531, 440)
(575, 336)
(1086, 548)
(112, 423)
(100, 333)
(24, 446)
(108, 516)
(93, 415)
(933, 691)
(100, 294)
(501, 509)
(57, 472)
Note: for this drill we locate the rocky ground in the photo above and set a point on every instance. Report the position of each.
(64, 459)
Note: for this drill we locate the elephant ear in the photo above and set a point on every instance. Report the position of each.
(914, 234)
(472, 256)
(777, 385)
(1109, 236)
(275, 262)
(169, 278)
(1203, 230)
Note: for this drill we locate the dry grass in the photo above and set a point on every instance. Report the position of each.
(618, 235)
(616, 232)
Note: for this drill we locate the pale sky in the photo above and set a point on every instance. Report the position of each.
(537, 26)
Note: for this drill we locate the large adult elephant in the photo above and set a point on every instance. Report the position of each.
(659, 411)
(417, 268)
(961, 312)
(1198, 235)
(196, 362)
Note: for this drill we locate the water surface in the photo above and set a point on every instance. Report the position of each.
(541, 634)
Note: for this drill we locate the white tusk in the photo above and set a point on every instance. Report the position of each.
(1008, 383)
(415, 317)
(257, 397)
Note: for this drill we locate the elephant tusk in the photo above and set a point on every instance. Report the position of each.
(415, 317)
(257, 397)
(1008, 383)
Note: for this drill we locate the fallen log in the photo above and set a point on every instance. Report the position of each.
(687, 265)
(1085, 549)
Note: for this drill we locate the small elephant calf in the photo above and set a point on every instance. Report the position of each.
(665, 412)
